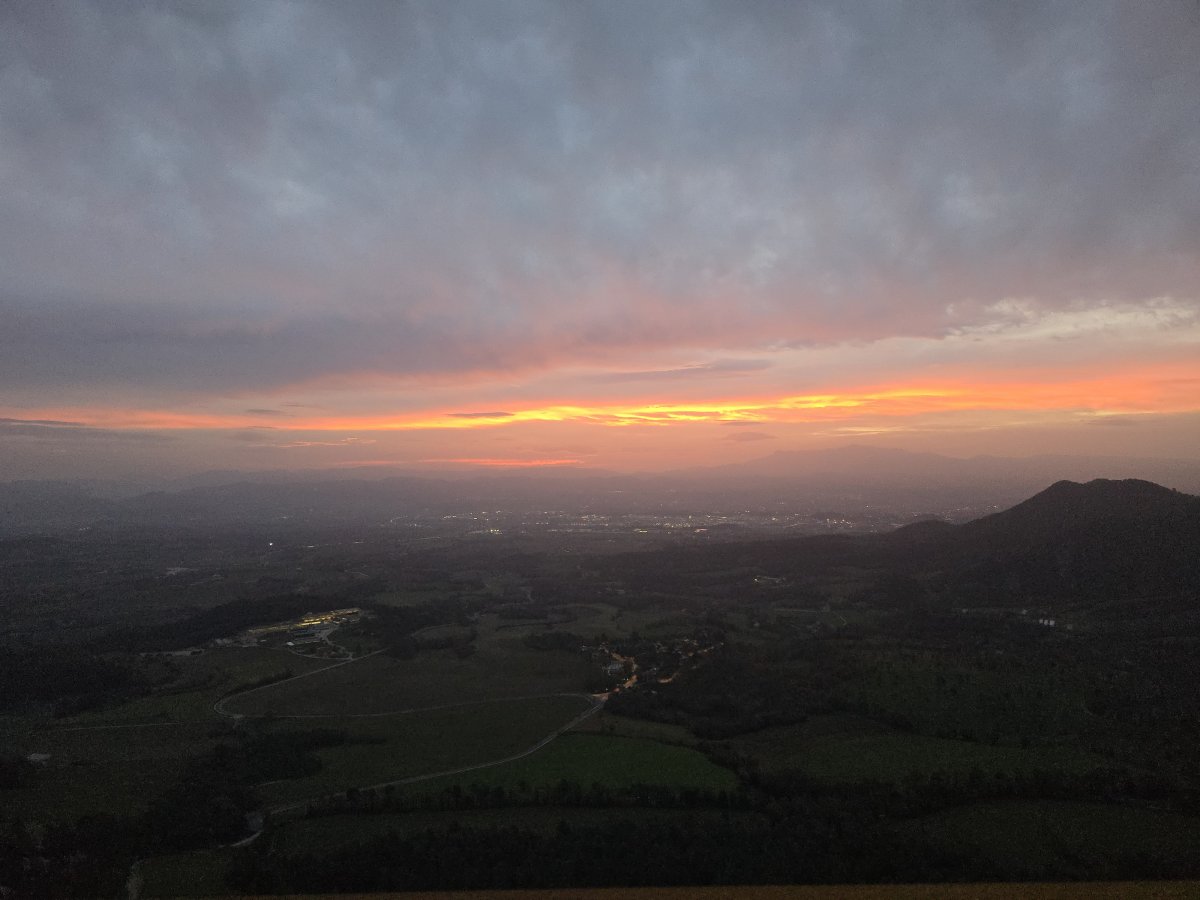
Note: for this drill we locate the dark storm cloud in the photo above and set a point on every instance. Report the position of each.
(205, 196)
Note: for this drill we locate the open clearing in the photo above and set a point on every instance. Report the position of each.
(624, 726)
(203, 679)
(587, 759)
(429, 741)
(383, 684)
(841, 749)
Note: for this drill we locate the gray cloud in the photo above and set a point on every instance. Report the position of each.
(52, 431)
(701, 370)
(197, 197)
(40, 423)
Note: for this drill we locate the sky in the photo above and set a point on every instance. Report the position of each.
(620, 235)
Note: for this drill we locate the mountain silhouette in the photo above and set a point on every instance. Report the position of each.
(1100, 542)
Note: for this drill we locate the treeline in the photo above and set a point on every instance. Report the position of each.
(798, 846)
(778, 830)
(565, 793)
(734, 691)
(394, 626)
(924, 793)
(276, 755)
(223, 621)
(789, 793)
(623, 852)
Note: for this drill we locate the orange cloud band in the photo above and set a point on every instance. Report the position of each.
(1160, 390)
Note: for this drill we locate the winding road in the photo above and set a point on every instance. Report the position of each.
(595, 703)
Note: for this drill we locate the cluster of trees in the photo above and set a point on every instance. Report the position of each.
(274, 755)
(733, 692)
(223, 621)
(921, 794)
(393, 626)
(804, 843)
(209, 806)
(92, 857)
(66, 680)
(781, 828)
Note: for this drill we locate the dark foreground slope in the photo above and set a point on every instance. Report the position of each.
(844, 709)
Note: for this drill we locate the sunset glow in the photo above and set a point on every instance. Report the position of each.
(559, 272)
(1146, 390)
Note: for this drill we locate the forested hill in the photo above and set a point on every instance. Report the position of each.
(1100, 541)
(1067, 509)
(1080, 543)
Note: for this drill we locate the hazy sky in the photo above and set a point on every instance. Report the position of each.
(630, 235)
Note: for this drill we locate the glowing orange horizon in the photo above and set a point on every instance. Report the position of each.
(1158, 390)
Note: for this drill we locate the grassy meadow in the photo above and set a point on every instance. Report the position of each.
(850, 749)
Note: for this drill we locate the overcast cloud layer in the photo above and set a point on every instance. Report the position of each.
(218, 196)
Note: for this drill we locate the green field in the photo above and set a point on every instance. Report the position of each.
(502, 667)
(203, 680)
(1024, 839)
(845, 749)
(587, 759)
(425, 742)
(95, 768)
(623, 726)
